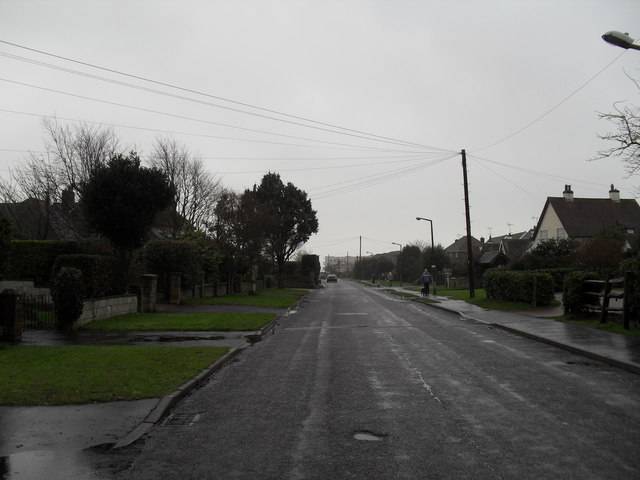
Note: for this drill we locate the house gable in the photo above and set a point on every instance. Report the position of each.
(580, 218)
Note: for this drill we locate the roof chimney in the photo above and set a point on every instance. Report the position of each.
(568, 193)
(614, 194)
(69, 197)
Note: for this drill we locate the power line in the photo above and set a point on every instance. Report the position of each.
(534, 172)
(182, 117)
(540, 117)
(352, 132)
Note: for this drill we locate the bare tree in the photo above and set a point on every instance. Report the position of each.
(625, 135)
(39, 196)
(197, 190)
(77, 151)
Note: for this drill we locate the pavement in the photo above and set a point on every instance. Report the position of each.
(97, 425)
(614, 349)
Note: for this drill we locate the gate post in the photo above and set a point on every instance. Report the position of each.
(10, 316)
(149, 289)
(175, 289)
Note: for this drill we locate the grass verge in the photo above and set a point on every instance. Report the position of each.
(272, 299)
(593, 321)
(62, 375)
(186, 321)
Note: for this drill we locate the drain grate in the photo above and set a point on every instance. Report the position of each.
(181, 419)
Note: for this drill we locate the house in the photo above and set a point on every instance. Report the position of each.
(582, 218)
(503, 250)
(458, 255)
(36, 219)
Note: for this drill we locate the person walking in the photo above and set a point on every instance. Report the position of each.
(426, 280)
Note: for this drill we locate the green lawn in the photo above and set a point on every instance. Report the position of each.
(60, 375)
(480, 299)
(187, 321)
(593, 320)
(271, 298)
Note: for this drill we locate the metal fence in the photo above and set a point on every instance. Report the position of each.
(38, 313)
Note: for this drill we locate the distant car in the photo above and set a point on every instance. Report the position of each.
(331, 278)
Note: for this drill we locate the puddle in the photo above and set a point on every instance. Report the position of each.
(176, 339)
(45, 465)
(367, 436)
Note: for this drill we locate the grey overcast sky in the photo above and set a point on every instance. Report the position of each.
(365, 104)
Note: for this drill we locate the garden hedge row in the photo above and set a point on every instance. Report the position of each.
(102, 275)
(519, 286)
(34, 259)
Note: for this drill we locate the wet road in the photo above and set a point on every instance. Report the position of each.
(360, 384)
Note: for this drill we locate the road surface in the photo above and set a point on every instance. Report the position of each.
(358, 383)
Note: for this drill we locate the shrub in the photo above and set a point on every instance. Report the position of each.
(270, 281)
(632, 299)
(102, 275)
(33, 259)
(164, 257)
(310, 265)
(67, 295)
(515, 286)
(574, 298)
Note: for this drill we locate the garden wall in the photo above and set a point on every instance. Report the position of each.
(101, 308)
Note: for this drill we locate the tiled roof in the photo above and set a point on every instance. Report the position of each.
(585, 217)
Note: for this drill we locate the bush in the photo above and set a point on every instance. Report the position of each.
(310, 265)
(270, 281)
(102, 275)
(574, 298)
(164, 257)
(67, 295)
(33, 259)
(632, 299)
(515, 286)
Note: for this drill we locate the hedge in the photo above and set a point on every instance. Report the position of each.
(34, 259)
(164, 257)
(518, 286)
(574, 297)
(102, 275)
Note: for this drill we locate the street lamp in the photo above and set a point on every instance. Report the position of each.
(433, 251)
(619, 39)
(399, 244)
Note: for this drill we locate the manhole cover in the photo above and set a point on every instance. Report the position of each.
(367, 436)
(180, 419)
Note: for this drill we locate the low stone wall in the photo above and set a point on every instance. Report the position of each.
(106, 307)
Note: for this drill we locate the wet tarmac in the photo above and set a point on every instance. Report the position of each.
(75, 442)
(59, 442)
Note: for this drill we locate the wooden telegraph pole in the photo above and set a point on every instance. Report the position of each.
(472, 292)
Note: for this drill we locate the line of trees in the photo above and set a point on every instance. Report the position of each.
(121, 200)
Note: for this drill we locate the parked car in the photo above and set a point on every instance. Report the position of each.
(331, 278)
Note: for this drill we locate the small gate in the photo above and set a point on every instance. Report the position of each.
(38, 313)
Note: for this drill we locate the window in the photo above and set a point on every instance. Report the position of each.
(561, 233)
(544, 235)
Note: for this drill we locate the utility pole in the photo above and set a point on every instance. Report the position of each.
(472, 292)
(360, 260)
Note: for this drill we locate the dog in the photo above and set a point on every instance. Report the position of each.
(424, 292)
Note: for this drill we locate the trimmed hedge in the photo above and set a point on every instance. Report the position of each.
(164, 257)
(34, 259)
(102, 275)
(518, 286)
